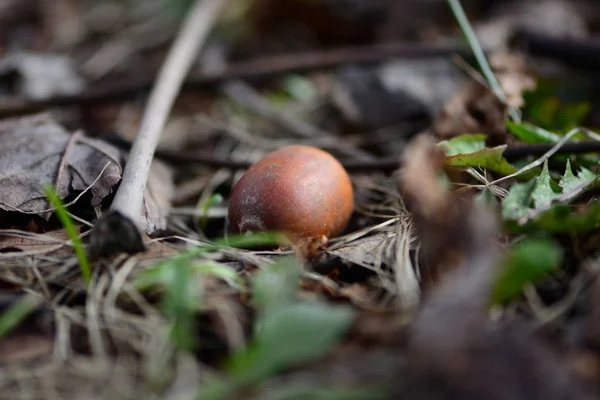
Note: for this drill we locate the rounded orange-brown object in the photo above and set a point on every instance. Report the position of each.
(299, 190)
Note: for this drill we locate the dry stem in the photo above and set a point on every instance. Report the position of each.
(125, 218)
(129, 198)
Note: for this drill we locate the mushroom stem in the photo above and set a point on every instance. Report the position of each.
(129, 198)
(128, 201)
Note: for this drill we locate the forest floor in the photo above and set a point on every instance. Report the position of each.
(468, 268)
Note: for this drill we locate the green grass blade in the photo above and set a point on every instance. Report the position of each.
(17, 312)
(71, 230)
(465, 26)
(212, 201)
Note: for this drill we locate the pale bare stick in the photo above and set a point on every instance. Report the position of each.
(128, 201)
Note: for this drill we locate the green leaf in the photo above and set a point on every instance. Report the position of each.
(517, 204)
(162, 271)
(562, 219)
(303, 331)
(276, 284)
(279, 100)
(163, 274)
(490, 159)
(290, 335)
(179, 305)
(542, 202)
(570, 182)
(256, 239)
(465, 26)
(219, 271)
(179, 278)
(542, 193)
(71, 229)
(463, 144)
(17, 313)
(287, 332)
(469, 151)
(212, 201)
(531, 134)
(526, 263)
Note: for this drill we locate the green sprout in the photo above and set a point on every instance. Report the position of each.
(71, 230)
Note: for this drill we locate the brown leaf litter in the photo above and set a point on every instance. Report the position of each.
(37, 151)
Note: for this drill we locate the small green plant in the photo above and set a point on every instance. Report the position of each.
(180, 303)
(531, 134)
(526, 263)
(544, 204)
(465, 26)
(178, 279)
(467, 150)
(71, 230)
(212, 201)
(287, 333)
(17, 312)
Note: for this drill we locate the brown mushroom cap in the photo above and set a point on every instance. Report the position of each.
(300, 190)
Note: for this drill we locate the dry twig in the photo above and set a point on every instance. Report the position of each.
(127, 206)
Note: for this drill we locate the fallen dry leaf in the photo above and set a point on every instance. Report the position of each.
(36, 151)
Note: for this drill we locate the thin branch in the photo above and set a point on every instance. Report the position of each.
(128, 201)
(576, 52)
(261, 68)
(465, 26)
(580, 53)
(542, 159)
(129, 198)
(384, 164)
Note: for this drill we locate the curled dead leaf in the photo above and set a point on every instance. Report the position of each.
(36, 151)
